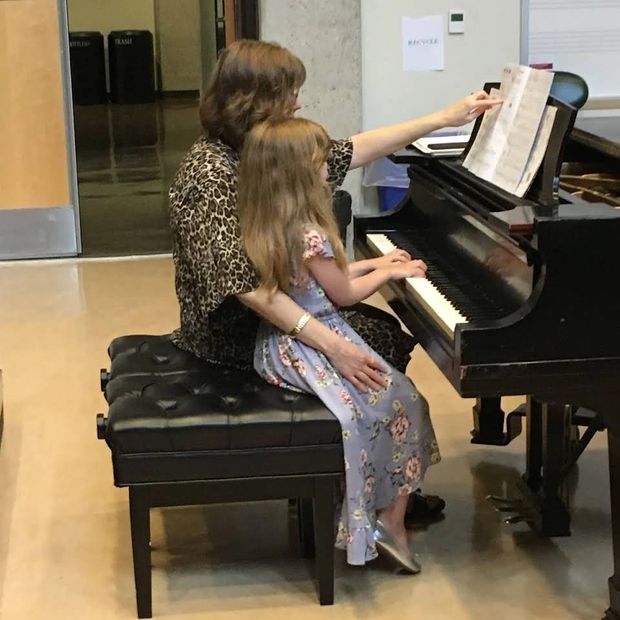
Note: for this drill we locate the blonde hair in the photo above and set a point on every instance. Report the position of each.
(279, 191)
(252, 81)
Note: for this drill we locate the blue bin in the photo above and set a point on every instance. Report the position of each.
(390, 197)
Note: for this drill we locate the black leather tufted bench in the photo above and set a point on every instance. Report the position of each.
(182, 432)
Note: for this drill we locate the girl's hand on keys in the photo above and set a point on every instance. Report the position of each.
(395, 256)
(410, 269)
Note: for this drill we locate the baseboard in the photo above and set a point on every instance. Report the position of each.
(179, 94)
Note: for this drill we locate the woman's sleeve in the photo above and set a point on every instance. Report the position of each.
(208, 244)
(339, 161)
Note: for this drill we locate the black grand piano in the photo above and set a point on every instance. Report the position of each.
(521, 299)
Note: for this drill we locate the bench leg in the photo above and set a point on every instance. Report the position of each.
(305, 522)
(324, 538)
(139, 514)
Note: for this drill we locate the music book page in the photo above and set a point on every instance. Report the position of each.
(538, 150)
(503, 149)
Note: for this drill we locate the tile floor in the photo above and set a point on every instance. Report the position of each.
(64, 535)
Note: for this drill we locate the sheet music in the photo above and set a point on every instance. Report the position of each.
(503, 148)
(482, 157)
(538, 150)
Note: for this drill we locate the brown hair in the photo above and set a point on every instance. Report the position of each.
(280, 190)
(252, 81)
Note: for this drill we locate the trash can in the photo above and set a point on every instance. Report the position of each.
(131, 60)
(391, 181)
(87, 60)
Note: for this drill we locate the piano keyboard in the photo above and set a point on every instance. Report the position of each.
(438, 306)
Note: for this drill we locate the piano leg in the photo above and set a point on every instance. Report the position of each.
(543, 487)
(556, 423)
(534, 443)
(613, 442)
(489, 422)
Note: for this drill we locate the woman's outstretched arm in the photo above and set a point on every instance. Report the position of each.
(371, 145)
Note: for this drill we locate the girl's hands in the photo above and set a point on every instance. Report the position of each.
(395, 256)
(409, 269)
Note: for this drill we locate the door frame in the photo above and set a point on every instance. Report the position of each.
(242, 20)
(65, 63)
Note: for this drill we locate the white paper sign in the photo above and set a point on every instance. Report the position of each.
(423, 43)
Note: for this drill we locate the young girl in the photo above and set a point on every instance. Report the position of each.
(290, 234)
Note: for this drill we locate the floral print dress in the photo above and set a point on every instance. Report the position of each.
(387, 435)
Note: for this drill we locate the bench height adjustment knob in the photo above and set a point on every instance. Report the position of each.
(104, 378)
(102, 424)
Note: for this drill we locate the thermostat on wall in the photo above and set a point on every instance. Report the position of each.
(456, 22)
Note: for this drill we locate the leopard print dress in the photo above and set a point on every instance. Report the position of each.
(211, 266)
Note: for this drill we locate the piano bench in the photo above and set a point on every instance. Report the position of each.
(185, 432)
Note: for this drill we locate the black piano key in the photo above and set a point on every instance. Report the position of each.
(460, 288)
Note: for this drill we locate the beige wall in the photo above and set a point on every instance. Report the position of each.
(207, 40)
(178, 44)
(107, 15)
(33, 149)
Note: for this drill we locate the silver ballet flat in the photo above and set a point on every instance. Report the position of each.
(389, 545)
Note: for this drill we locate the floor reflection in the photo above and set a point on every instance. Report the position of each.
(127, 156)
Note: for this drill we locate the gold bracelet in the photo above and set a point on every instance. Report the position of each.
(303, 321)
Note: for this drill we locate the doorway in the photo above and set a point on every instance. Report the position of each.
(138, 69)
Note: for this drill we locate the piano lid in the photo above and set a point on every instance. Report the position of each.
(599, 133)
(591, 168)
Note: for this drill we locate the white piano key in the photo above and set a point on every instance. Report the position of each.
(438, 306)
(380, 243)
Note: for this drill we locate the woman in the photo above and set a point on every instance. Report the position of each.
(217, 287)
